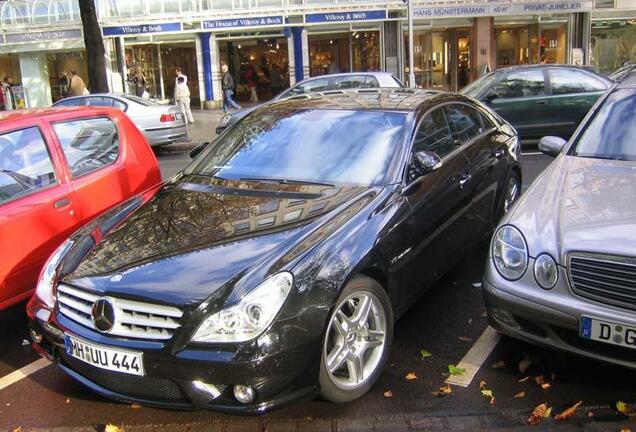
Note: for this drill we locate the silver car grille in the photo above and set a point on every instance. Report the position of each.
(605, 278)
(132, 319)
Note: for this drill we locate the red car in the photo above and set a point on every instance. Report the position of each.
(60, 168)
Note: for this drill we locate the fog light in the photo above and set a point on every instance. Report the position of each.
(35, 337)
(243, 394)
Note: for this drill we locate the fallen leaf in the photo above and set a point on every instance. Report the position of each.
(425, 354)
(454, 370)
(520, 395)
(538, 414)
(18, 429)
(568, 412)
(499, 365)
(135, 406)
(465, 339)
(625, 408)
(68, 401)
(590, 414)
(477, 284)
(443, 391)
(541, 382)
(523, 379)
(112, 428)
(411, 376)
(388, 393)
(492, 400)
(488, 393)
(625, 430)
(524, 364)
(482, 385)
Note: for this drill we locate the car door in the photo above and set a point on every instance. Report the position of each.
(485, 150)
(91, 147)
(437, 201)
(521, 97)
(574, 91)
(37, 208)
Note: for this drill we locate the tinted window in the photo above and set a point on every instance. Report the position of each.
(521, 84)
(88, 144)
(434, 134)
(565, 81)
(310, 86)
(140, 101)
(332, 146)
(71, 102)
(25, 165)
(371, 82)
(612, 132)
(476, 87)
(465, 121)
(104, 101)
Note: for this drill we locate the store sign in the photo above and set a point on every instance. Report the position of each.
(243, 22)
(43, 36)
(132, 30)
(345, 16)
(461, 11)
(552, 7)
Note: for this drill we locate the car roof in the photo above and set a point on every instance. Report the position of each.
(34, 113)
(379, 99)
(628, 81)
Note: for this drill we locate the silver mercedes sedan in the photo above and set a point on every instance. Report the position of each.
(161, 124)
(562, 265)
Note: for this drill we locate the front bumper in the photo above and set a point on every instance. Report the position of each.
(278, 378)
(523, 310)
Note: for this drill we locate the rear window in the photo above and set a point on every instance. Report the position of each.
(88, 144)
(140, 101)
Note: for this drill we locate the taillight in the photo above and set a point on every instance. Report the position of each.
(167, 118)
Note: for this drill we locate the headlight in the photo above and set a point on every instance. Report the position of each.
(545, 271)
(225, 119)
(509, 252)
(250, 316)
(44, 289)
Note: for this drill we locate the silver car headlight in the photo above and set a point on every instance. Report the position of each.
(510, 252)
(250, 317)
(225, 119)
(546, 272)
(45, 287)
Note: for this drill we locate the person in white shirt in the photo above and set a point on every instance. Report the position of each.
(182, 98)
(178, 74)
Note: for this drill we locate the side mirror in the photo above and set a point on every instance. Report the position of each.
(424, 162)
(551, 145)
(198, 149)
(491, 96)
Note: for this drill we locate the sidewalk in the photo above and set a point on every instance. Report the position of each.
(203, 129)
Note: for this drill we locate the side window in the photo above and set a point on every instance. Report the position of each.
(466, 122)
(371, 82)
(349, 81)
(434, 134)
(71, 102)
(521, 84)
(25, 164)
(567, 81)
(310, 86)
(88, 144)
(99, 101)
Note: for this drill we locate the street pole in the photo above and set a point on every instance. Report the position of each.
(411, 60)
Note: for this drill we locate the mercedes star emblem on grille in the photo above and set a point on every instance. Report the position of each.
(103, 314)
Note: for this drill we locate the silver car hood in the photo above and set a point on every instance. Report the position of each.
(580, 204)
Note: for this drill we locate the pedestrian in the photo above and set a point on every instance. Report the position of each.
(276, 79)
(5, 89)
(250, 80)
(139, 80)
(182, 97)
(178, 73)
(227, 85)
(76, 86)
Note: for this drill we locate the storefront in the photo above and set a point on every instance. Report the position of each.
(60, 65)
(350, 51)
(613, 40)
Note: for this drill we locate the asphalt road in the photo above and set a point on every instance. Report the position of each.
(447, 322)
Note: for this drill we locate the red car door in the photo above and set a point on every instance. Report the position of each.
(37, 207)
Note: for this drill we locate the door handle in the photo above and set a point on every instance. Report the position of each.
(62, 203)
(542, 102)
(499, 153)
(464, 179)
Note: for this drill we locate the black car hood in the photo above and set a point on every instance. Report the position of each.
(198, 233)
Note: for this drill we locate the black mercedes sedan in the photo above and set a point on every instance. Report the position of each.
(273, 267)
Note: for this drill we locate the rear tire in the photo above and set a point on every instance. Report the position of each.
(357, 341)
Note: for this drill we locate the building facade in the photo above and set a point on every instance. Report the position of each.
(271, 44)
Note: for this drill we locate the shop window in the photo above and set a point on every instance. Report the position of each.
(25, 164)
(434, 134)
(40, 13)
(613, 44)
(521, 84)
(88, 145)
(567, 81)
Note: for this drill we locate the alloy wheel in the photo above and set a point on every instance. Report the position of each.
(355, 340)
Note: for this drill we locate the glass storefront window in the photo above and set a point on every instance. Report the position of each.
(531, 42)
(181, 55)
(357, 51)
(144, 59)
(60, 65)
(613, 43)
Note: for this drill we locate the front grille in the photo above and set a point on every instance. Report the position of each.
(132, 319)
(145, 387)
(604, 278)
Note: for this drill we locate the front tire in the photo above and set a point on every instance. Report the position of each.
(357, 342)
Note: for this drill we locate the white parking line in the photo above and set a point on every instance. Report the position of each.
(22, 373)
(475, 357)
(532, 154)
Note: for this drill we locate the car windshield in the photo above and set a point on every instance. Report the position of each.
(612, 132)
(328, 146)
(475, 88)
(140, 101)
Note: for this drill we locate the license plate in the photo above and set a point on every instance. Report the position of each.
(177, 116)
(117, 360)
(608, 332)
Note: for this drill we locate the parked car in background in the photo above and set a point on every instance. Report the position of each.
(540, 100)
(59, 168)
(622, 72)
(562, 267)
(341, 81)
(161, 124)
(274, 266)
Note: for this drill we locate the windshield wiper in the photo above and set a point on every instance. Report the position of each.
(284, 181)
